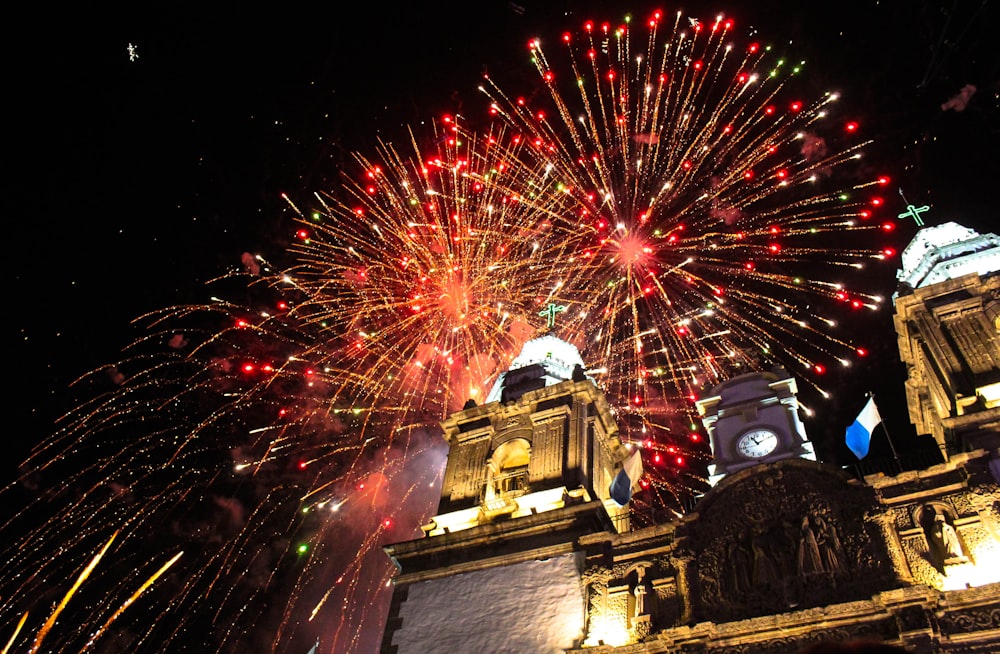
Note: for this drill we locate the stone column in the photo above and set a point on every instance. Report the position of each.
(595, 580)
(682, 564)
(887, 525)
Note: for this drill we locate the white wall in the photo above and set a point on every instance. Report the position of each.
(537, 606)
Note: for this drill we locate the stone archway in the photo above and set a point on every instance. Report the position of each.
(508, 469)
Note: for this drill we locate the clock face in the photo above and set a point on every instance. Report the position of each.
(757, 443)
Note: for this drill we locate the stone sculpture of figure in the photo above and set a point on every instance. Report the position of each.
(810, 561)
(946, 537)
(640, 591)
(764, 572)
(739, 559)
(829, 545)
(491, 489)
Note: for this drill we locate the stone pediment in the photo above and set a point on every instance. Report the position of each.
(780, 537)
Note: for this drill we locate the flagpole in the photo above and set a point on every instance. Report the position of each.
(895, 455)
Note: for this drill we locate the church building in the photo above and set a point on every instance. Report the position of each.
(530, 553)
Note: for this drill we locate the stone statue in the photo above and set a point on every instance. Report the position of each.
(946, 537)
(764, 572)
(941, 535)
(810, 561)
(830, 550)
(739, 559)
(640, 591)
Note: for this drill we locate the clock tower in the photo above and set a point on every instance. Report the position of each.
(753, 419)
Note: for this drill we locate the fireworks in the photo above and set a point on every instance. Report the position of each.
(691, 215)
(285, 436)
(727, 225)
(427, 275)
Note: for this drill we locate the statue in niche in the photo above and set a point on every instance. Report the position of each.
(810, 561)
(640, 591)
(946, 536)
(942, 535)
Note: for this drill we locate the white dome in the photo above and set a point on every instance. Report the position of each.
(948, 251)
(556, 356)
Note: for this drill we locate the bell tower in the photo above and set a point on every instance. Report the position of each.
(527, 480)
(544, 439)
(948, 328)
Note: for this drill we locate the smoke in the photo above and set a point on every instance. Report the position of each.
(178, 341)
(250, 263)
(728, 215)
(232, 508)
(357, 278)
(960, 100)
(813, 147)
(116, 375)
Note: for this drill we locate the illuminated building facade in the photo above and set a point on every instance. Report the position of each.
(527, 479)
(753, 419)
(529, 554)
(947, 322)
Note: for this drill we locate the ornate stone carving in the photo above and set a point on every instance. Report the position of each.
(595, 582)
(962, 503)
(913, 618)
(937, 521)
(890, 536)
(641, 628)
(970, 620)
(902, 518)
(787, 537)
(881, 630)
(983, 500)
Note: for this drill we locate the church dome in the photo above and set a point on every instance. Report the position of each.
(543, 361)
(947, 251)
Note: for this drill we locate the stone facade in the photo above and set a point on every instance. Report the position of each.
(779, 555)
(948, 340)
(787, 554)
(774, 558)
(527, 477)
(948, 327)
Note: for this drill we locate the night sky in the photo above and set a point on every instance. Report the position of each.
(131, 183)
(135, 182)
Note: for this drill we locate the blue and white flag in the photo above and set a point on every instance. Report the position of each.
(859, 434)
(627, 479)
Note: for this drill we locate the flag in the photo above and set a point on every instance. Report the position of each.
(859, 434)
(626, 479)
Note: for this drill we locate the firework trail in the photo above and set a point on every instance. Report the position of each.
(283, 438)
(727, 227)
(695, 221)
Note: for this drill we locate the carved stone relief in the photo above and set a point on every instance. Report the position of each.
(788, 537)
(881, 630)
(595, 581)
(634, 597)
(970, 620)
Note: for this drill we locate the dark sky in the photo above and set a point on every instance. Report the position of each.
(134, 182)
(130, 183)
